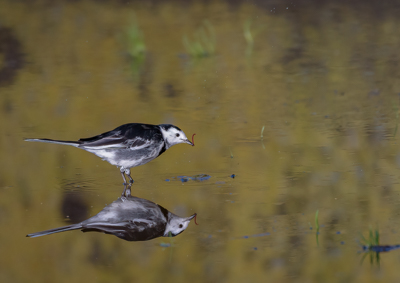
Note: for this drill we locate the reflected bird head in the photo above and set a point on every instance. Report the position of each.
(176, 224)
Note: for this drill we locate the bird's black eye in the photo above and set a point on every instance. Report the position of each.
(177, 135)
(180, 225)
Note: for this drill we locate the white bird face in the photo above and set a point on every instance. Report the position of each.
(173, 135)
(176, 224)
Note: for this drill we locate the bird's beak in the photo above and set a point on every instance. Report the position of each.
(188, 142)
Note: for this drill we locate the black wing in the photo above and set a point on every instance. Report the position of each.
(128, 230)
(128, 135)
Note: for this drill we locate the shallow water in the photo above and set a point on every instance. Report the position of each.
(321, 80)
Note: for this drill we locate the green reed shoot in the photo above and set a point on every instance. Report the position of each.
(249, 34)
(248, 37)
(135, 45)
(135, 40)
(317, 227)
(262, 133)
(202, 43)
(262, 136)
(371, 241)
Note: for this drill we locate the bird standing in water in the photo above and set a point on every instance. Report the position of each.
(129, 145)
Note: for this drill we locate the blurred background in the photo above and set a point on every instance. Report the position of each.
(298, 99)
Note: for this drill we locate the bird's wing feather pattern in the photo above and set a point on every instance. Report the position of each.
(126, 136)
(136, 230)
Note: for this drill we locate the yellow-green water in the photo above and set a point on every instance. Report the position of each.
(323, 80)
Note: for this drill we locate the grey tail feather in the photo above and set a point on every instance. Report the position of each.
(55, 230)
(73, 143)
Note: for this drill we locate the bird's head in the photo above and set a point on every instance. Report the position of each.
(176, 224)
(173, 135)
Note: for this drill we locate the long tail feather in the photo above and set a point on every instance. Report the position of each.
(73, 143)
(55, 230)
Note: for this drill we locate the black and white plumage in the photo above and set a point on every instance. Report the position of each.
(129, 145)
(132, 219)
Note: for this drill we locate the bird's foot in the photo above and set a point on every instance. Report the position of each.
(127, 190)
(130, 179)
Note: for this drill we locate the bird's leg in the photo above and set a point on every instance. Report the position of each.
(127, 190)
(123, 177)
(124, 191)
(128, 173)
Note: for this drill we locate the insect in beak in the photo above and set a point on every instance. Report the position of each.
(191, 142)
(193, 216)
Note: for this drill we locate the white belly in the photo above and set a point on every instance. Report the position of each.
(126, 157)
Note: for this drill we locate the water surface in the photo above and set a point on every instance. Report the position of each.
(322, 81)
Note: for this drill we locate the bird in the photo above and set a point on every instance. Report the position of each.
(129, 145)
(132, 219)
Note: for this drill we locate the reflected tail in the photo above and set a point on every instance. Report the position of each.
(73, 143)
(55, 230)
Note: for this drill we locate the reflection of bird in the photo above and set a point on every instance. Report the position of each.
(132, 219)
(129, 145)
